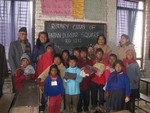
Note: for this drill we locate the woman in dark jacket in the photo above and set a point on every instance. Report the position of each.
(39, 48)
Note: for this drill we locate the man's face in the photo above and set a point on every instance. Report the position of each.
(22, 36)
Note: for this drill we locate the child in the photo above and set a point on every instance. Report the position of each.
(61, 67)
(85, 85)
(72, 79)
(98, 81)
(133, 72)
(23, 72)
(53, 88)
(65, 58)
(76, 52)
(45, 61)
(91, 52)
(109, 68)
(117, 88)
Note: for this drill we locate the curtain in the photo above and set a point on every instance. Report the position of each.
(14, 14)
(126, 18)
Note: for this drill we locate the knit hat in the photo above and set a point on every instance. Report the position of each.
(23, 29)
(130, 51)
(49, 44)
(25, 56)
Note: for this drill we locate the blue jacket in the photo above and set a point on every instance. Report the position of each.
(53, 86)
(121, 84)
(36, 52)
(133, 72)
(72, 86)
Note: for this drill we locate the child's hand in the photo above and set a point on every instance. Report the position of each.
(38, 80)
(66, 77)
(39, 57)
(127, 99)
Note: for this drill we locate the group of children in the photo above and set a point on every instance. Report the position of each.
(72, 82)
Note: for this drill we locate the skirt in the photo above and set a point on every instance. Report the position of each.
(116, 100)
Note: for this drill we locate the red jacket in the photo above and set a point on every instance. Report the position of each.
(45, 61)
(99, 80)
(19, 77)
(86, 82)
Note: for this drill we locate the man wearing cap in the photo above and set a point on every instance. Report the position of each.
(17, 48)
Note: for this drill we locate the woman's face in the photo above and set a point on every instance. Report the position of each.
(123, 40)
(43, 38)
(101, 40)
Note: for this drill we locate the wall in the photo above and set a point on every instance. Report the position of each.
(147, 37)
(111, 20)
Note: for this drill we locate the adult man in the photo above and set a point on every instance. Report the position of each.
(3, 67)
(17, 48)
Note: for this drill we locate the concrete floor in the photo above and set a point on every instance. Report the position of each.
(142, 104)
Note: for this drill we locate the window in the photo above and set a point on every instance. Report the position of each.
(13, 15)
(130, 21)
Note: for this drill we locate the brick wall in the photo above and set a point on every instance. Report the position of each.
(111, 20)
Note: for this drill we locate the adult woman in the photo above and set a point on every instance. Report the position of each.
(101, 43)
(124, 45)
(39, 48)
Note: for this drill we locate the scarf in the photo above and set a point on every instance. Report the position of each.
(115, 76)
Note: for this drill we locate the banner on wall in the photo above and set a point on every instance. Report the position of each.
(96, 10)
(57, 7)
(78, 8)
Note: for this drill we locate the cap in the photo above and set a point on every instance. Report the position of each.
(25, 56)
(130, 51)
(49, 44)
(23, 29)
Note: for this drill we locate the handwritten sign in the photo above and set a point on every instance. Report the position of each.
(67, 35)
(78, 8)
(57, 7)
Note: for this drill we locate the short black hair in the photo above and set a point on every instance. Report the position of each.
(118, 62)
(99, 50)
(54, 66)
(113, 55)
(57, 55)
(102, 35)
(73, 57)
(84, 49)
(126, 36)
(76, 49)
(65, 51)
